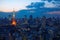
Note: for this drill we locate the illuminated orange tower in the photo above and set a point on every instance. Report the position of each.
(13, 18)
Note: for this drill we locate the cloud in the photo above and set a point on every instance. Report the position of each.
(45, 4)
(47, 0)
(36, 5)
(57, 3)
(49, 4)
(52, 3)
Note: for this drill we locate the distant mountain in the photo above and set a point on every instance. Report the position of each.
(5, 14)
(38, 12)
(35, 12)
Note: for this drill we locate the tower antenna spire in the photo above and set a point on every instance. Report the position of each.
(13, 13)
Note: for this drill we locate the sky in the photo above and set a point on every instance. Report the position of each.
(8, 5)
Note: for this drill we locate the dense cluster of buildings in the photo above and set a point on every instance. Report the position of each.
(30, 28)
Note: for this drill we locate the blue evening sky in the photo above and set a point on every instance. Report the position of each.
(8, 5)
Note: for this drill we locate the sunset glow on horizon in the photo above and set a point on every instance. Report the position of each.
(8, 5)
